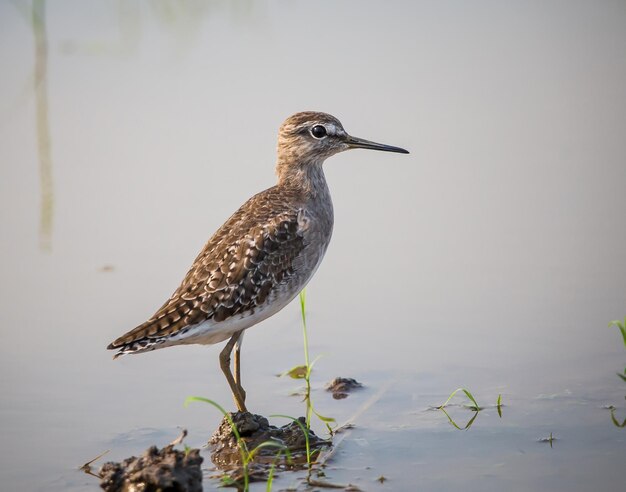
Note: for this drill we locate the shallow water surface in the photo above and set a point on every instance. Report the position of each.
(490, 258)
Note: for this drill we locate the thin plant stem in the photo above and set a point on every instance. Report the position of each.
(243, 448)
(307, 376)
(306, 436)
(304, 330)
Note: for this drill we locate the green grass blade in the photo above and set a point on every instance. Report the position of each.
(296, 372)
(471, 397)
(622, 328)
(243, 448)
(305, 431)
(476, 407)
(267, 444)
(270, 478)
(324, 419)
(190, 399)
(449, 398)
(304, 330)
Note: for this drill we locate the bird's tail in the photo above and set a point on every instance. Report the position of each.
(134, 343)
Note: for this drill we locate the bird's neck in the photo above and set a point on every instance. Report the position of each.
(308, 177)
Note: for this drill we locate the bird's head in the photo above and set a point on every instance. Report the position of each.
(309, 138)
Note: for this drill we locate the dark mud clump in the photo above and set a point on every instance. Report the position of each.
(341, 387)
(155, 470)
(254, 430)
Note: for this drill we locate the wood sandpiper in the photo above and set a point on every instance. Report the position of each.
(261, 257)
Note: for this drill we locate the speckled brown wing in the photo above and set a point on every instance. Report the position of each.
(236, 272)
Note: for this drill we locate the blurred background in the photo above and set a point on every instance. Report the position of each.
(491, 257)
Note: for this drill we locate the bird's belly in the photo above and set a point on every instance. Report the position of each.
(211, 331)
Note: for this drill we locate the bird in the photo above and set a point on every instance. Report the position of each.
(260, 259)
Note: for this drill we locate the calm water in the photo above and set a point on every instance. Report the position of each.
(492, 257)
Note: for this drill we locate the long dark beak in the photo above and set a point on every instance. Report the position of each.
(360, 143)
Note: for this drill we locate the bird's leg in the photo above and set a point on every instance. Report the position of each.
(237, 365)
(225, 365)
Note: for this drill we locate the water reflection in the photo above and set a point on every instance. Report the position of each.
(128, 22)
(457, 426)
(614, 419)
(180, 20)
(183, 19)
(612, 408)
(550, 439)
(43, 125)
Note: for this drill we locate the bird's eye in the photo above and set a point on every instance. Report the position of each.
(318, 131)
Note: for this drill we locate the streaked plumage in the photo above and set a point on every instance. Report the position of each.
(261, 257)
